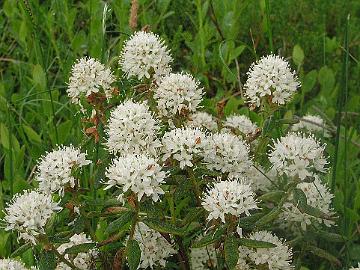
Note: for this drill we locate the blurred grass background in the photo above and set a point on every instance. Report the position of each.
(215, 40)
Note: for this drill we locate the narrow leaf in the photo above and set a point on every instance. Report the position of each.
(163, 227)
(133, 254)
(119, 223)
(80, 248)
(231, 252)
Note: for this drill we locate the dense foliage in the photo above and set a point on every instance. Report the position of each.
(228, 141)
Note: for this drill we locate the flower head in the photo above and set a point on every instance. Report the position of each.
(226, 153)
(202, 120)
(178, 94)
(132, 129)
(242, 124)
(318, 196)
(11, 264)
(145, 55)
(183, 144)
(138, 173)
(89, 76)
(154, 248)
(83, 260)
(298, 155)
(311, 124)
(28, 214)
(270, 77)
(276, 258)
(55, 169)
(229, 197)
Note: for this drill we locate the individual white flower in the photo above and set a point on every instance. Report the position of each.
(226, 153)
(202, 120)
(82, 260)
(242, 124)
(178, 93)
(276, 258)
(298, 155)
(89, 76)
(145, 55)
(183, 145)
(202, 258)
(132, 128)
(312, 124)
(229, 197)
(270, 77)
(355, 268)
(28, 214)
(138, 173)
(55, 169)
(11, 264)
(154, 247)
(318, 196)
(258, 178)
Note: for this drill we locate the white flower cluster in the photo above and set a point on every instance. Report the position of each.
(229, 197)
(132, 129)
(226, 153)
(145, 55)
(183, 145)
(311, 124)
(318, 196)
(89, 76)
(138, 173)
(202, 258)
(83, 260)
(270, 77)
(242, 124)
(178, 93)
(28, 214)
(154, 247)
(298, 155)
(11, 264)
(55, 169)
(276, 258)
(202, 120)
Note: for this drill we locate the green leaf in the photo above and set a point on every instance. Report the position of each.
(31, 134)
(299, 197)
(324, 254)
(254, 243)
(47, 260)
(20, 250)
(249, 222)
(80, 248)
(326, 79)
(231, 252)
(272, 196)
(39, 77)
(269, 217)
(209, 238)
(163, 227)
(309, 81)
(298, 55)
(133, 254)
(119, 223)
(331, 237)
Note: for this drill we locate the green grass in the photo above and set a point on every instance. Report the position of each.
(216, 41)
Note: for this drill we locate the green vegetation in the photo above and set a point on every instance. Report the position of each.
(216, 41)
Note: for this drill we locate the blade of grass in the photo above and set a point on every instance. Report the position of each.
(269, 27)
